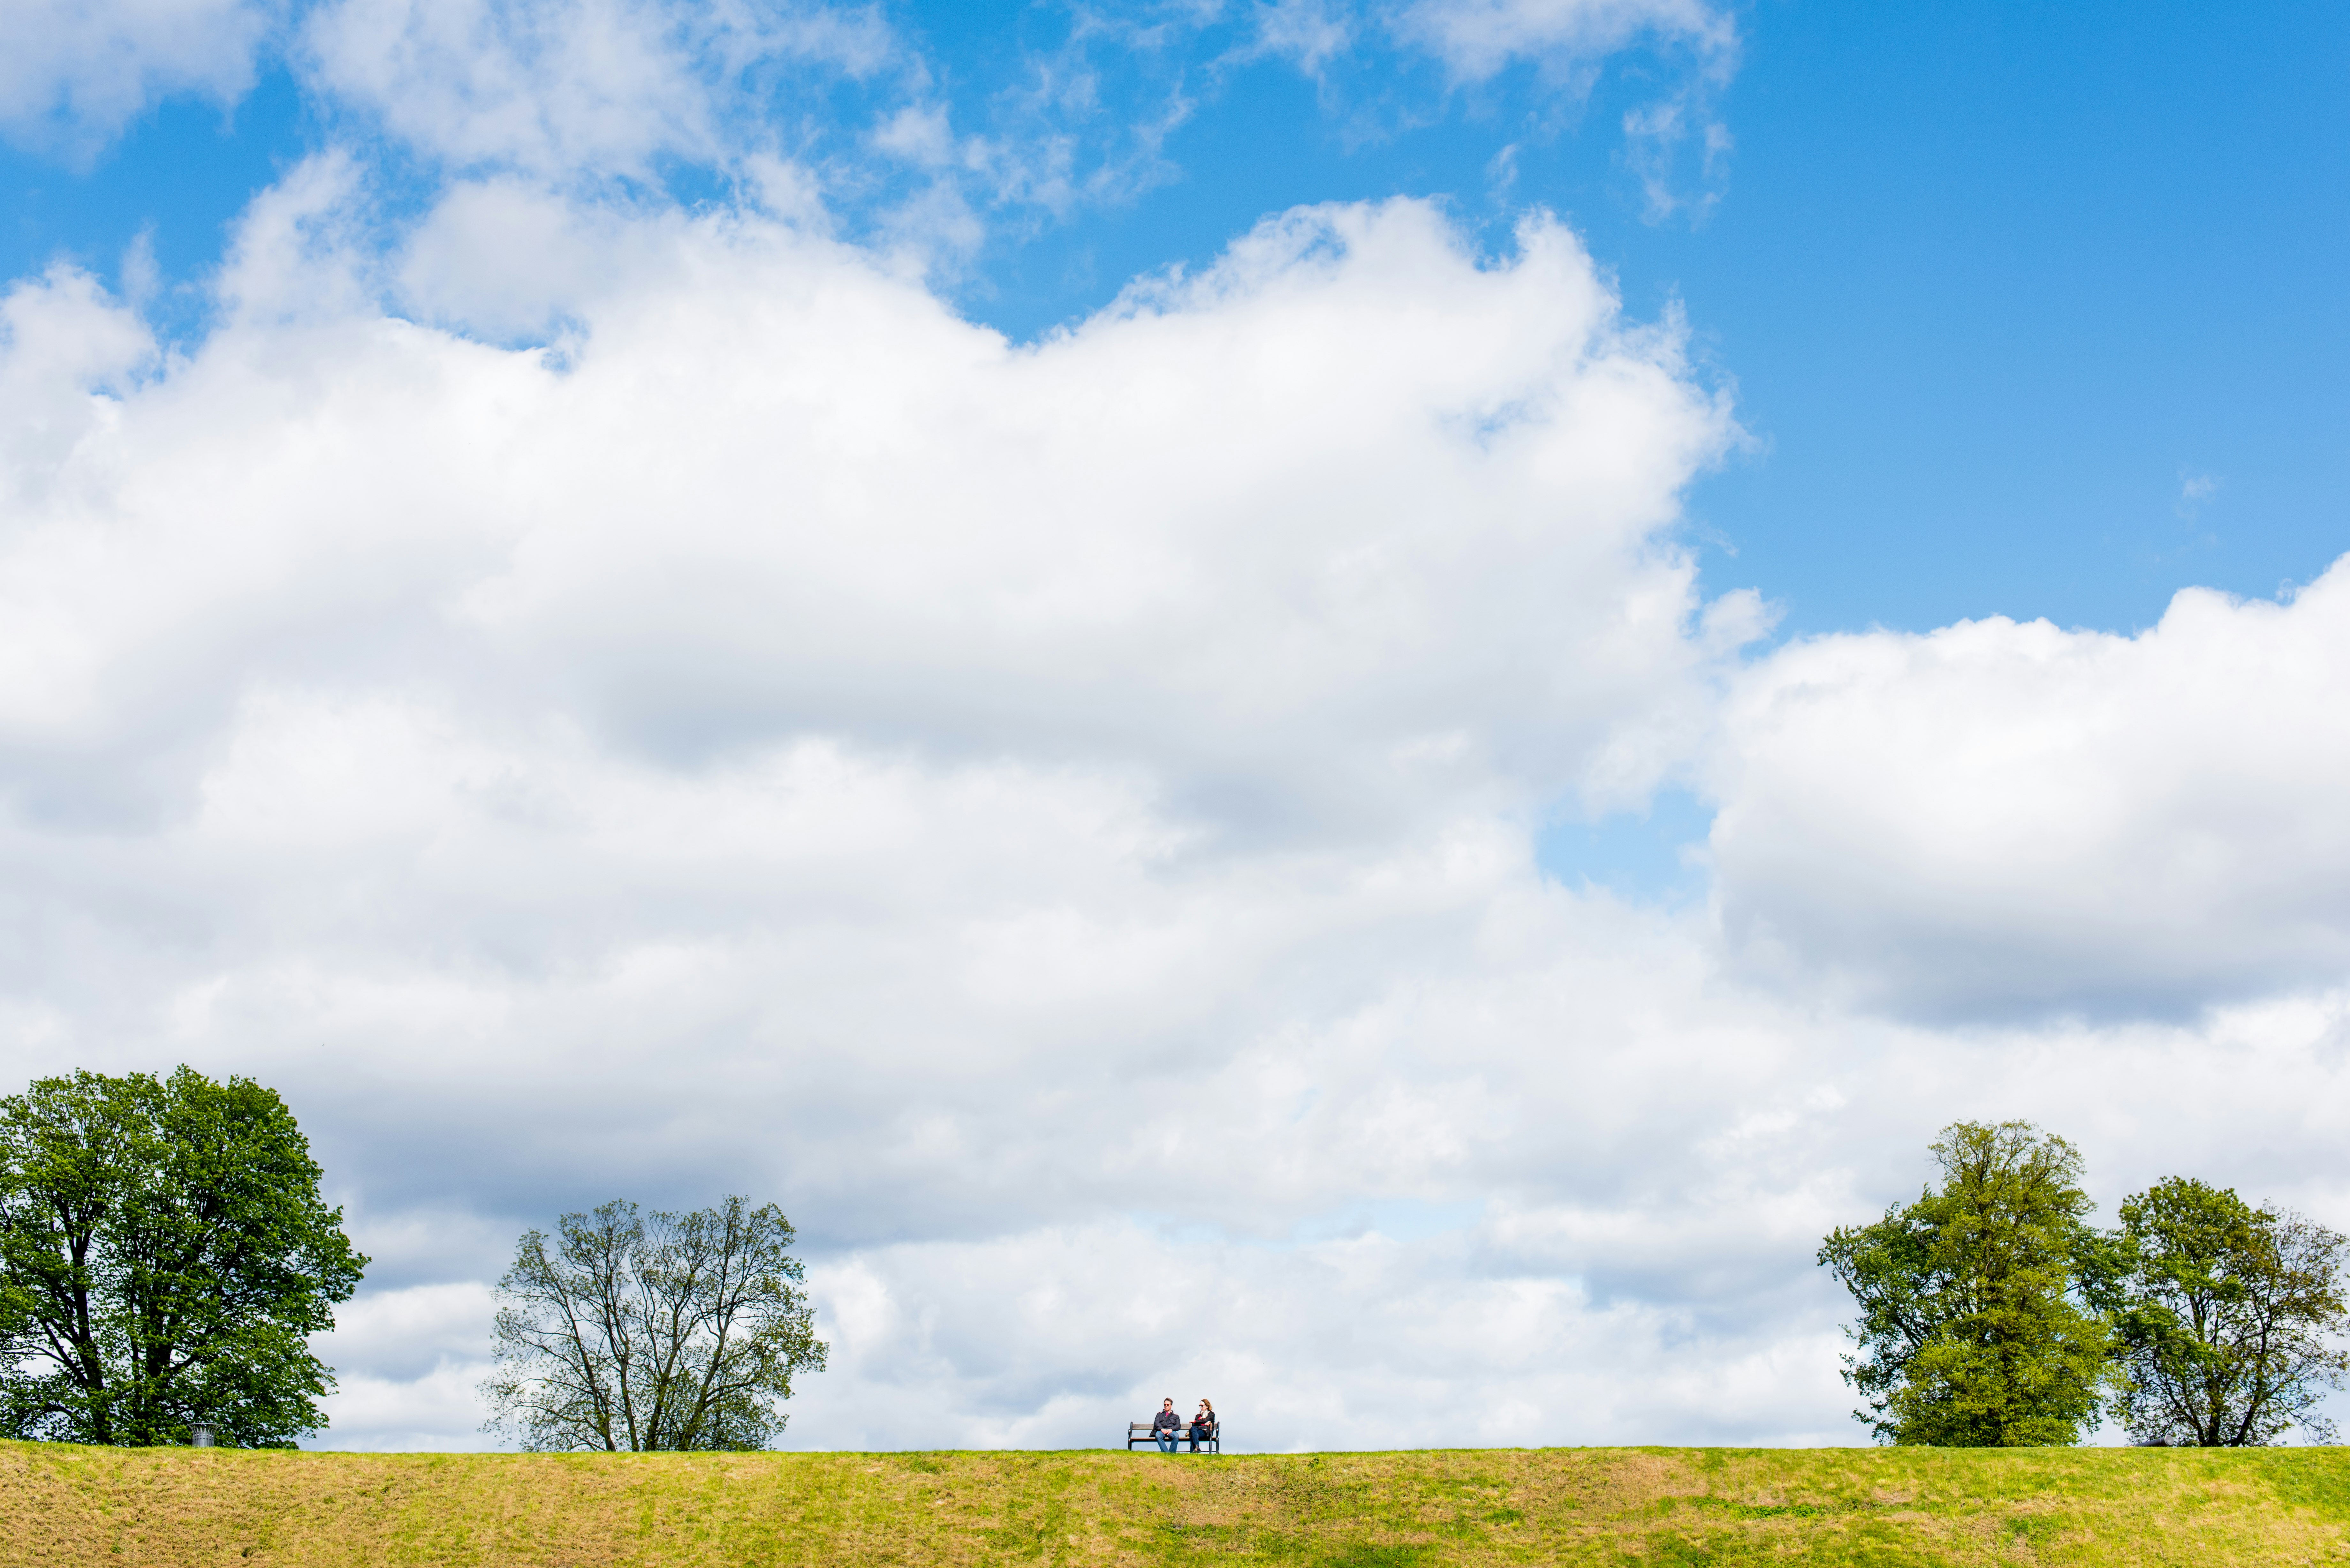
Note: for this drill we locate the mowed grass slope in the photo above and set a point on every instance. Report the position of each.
(78, 1506)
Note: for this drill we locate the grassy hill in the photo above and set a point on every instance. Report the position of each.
(61, 1505)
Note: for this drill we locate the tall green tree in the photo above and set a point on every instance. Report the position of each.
(1975, 1330)
(164, 1256)
(626, 1332)
(2229, 1319)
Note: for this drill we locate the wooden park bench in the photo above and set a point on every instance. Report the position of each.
(1141, 1432)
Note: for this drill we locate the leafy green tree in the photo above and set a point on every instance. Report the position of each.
(164, 1255)
(2228, 1319)
(1974, 1329)
(679, 1331)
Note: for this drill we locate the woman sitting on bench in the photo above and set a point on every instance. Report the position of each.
(1203, 1424)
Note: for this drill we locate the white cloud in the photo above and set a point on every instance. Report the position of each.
(1480, 38)
(1310, 32)
(1993, 817)
(1674, 144)
(1259, 534)
(1059, 1338)
(74, 72)
(555, 88)
(66, 352)
(1660, 137)
(1058, 818)
(505, 258)
(791, 739)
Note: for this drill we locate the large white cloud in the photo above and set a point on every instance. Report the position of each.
(1058, 818)
(786, 737)
(1998, 818)
(1349, 521)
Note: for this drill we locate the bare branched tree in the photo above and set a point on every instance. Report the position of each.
(660, 1332)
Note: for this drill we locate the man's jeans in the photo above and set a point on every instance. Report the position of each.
(1167, 1439)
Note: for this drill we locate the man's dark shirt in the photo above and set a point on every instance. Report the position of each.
(1167, 1422)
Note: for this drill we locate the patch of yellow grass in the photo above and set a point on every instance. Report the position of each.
(163, 1508)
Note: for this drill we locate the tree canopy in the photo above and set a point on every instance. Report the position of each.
(164, 1255)
(2227, 1318)
(1974, 1330)
(1991, 1312)
(670, 1331)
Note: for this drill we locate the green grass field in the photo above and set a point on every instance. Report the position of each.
(1681, 1506)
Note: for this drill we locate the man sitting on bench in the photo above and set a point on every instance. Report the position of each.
(1167, 1426)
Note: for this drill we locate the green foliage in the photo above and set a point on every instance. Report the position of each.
(2226, 1316)
(164, 1253)
(1973, 1330)
(679, 1334)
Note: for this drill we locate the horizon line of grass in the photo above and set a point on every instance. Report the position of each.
(1882, 1506)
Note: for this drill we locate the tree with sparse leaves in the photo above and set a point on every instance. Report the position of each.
(1974, 1330)
(2229, 1319)
(164, 1258)
(631, 1333)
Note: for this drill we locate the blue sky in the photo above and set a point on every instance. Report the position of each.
(2030, 311)
(1331, 650)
